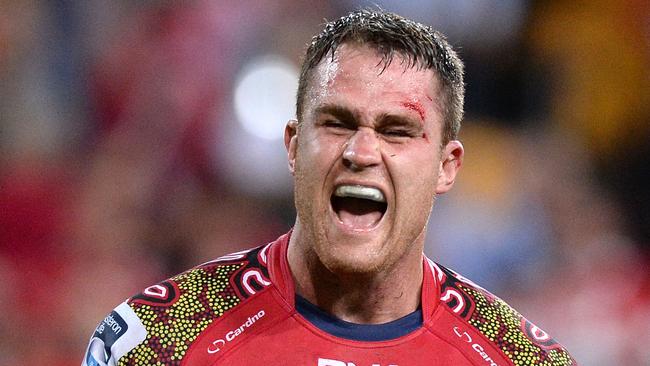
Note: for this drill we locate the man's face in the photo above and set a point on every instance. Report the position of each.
(367, 160)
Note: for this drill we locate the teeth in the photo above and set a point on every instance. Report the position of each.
(368, 193)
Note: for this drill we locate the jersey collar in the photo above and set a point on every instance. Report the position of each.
(281, 277)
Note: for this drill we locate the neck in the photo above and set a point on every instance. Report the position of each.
(363, 298)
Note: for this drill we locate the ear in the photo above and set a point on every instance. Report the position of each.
(451, 160)
(291, 143)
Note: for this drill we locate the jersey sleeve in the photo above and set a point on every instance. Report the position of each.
(159, 324)
(516, 337)
(115, 336)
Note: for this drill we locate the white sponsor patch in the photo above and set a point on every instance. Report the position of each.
(115, 336)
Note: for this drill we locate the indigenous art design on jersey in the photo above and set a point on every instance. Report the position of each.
(520, 340)
(193, 300)
(239, 310)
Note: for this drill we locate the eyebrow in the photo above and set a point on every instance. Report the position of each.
(346, 115)
(390, 118)
(337, 111)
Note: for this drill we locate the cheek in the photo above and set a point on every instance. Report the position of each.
(315, 157)
(414, 177)
(417, 159)
(322, 148)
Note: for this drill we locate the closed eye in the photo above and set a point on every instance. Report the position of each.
(334, 124)
(397, 133)
(399, 128)
(335, 117)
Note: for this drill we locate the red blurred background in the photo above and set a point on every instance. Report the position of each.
(138, 139)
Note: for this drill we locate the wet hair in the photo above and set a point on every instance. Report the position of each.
(419, 45)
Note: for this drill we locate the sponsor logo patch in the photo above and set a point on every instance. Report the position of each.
(116, 335)
(330, 362)
(230, 336)
(105, 335)
(475, 346)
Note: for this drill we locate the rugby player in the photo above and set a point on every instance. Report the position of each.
(379, 106)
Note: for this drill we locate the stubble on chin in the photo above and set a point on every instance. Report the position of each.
(344, 260)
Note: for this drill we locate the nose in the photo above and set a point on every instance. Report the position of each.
(362, 150)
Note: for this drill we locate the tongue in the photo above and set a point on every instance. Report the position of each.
(359, 213)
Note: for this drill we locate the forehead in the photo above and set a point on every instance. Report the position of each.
(360, 72)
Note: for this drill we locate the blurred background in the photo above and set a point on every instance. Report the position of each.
(140, 138)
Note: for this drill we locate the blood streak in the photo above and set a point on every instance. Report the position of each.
(415, 106)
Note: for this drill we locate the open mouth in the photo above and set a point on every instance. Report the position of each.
(359, 207)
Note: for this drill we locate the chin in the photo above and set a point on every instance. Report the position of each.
(348, 260)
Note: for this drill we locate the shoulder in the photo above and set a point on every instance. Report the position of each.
(504, 327)
(160, 323)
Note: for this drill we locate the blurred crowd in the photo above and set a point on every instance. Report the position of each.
(120, 153)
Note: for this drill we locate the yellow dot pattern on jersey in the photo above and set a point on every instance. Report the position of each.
(205, 294)
(501, 324)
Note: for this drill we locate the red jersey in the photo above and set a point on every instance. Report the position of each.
(240, 310)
